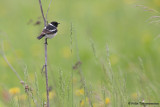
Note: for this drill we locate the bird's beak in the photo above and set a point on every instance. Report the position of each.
(58, 23)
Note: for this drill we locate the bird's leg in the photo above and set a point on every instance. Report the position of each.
(46, 42)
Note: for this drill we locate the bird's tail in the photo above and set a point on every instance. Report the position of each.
(41, 36)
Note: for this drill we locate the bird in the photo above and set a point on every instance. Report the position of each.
(49, 31)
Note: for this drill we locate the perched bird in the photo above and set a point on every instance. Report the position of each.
(49, 31)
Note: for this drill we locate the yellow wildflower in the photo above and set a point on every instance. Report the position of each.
(82, 103)
(107, 101)
(80, 92)
(14, 91)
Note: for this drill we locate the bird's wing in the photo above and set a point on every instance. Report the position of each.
(49, 29)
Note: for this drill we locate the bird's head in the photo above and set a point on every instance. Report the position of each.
(54, 23)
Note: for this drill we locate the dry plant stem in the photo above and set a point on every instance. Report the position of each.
(48, 9)
(18, 76)
(46, 72)
(40, 4)
(5, 58)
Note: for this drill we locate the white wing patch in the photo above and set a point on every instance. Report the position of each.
(52, 30)
(51, 24)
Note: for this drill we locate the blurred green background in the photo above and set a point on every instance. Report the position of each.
(87, 27)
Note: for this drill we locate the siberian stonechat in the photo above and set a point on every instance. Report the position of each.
(49, 31)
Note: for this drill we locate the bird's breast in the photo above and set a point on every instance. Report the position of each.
(49, 36)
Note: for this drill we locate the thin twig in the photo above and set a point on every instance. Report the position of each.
(46, 72)
(48, 9)
(40, 4)
(5, 58)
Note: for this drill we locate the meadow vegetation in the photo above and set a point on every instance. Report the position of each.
(106, 53)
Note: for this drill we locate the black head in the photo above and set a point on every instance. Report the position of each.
(55, 23)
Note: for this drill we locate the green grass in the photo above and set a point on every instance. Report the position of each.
(116, 45)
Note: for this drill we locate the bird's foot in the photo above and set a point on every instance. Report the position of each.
(46, 43)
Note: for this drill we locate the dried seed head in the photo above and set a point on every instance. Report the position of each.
(77, 65)
(26, 88)
(22, 82)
